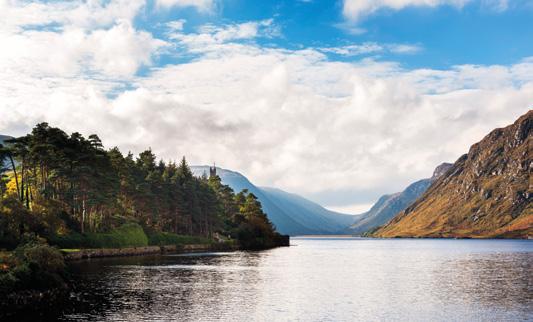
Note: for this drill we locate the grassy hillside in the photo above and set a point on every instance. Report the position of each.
(487, 192)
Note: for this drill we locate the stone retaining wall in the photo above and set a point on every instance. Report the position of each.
(148, 250)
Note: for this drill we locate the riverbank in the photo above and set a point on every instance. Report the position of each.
(45, 269)
(79, 254)
(71, 255)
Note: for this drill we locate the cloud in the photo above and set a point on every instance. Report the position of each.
(352, 208)
(14, 15)
(404, 49)
(496, 5)
(354, 50)
(371, 48)
(350, 28)
(291, 119)
(86, 39)
(355, 10)
(338, 132)
(204, 6)
(115, 52)
(176, 25)
(217, 39)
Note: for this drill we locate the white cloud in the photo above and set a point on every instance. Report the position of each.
(356, 9)
(205, 6)
(371, 48)
(222, 39)
(354, 209)
(176, 25)
(115, 52)
(354, 50)
(73, 39)
(496, 5)
(82, 14)
(290, 119)
(341, 133)
(121, 50)
(404, 48)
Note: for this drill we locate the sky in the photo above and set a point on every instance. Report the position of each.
(340, 101)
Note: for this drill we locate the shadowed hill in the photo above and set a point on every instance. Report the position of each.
(4, 163)
(389, 205)
(292, 214)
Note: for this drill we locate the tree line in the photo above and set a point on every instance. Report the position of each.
(55, 184)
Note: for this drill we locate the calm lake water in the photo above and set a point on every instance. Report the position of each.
(317, 279)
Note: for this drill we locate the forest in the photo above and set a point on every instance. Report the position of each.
(72, 192)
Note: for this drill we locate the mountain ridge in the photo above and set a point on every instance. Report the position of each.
(390, 205)
(486, 194)
(290, 213)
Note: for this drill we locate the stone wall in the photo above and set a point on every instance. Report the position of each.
(148, 250)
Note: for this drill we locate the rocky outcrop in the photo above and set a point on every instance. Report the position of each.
(389, 205)
(441, 170)
(486, 193)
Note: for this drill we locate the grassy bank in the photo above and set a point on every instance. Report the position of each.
(162, 238)
(127, 235)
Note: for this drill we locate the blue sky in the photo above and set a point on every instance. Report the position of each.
(340, 101)
(480, 32)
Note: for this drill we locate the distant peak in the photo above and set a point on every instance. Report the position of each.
(441, 169)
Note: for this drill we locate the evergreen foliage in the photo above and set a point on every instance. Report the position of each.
(73, 192)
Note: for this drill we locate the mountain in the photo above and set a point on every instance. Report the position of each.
(486, 193)
(389, 205)
(3, 138)
(292, 214)
(4, 163)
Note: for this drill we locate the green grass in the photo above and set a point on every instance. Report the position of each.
(162, 238)
(127, 235)
(70, 250)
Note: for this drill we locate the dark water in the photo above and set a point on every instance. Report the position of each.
(317, 280)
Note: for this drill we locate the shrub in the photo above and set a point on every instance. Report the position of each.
(32, 266)
(127, 235)
(163, 238)
(46, 258)
(72, 240)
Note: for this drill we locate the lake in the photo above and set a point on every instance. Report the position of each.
(316, 279)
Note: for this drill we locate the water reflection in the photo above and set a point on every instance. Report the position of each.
(500, 279)
(319, 279)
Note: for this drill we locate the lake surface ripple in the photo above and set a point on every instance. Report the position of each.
(316, 279)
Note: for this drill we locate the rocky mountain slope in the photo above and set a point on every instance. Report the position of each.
(486, 193)
(389, 205)
(292, 214)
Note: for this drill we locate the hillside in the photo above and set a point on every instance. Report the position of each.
(292, 214)
(389, 205)
(486, 193)
(3, 138)
(4, 163)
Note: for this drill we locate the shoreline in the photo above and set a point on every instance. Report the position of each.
(146, 250)
(411, 237)
(154, 250)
